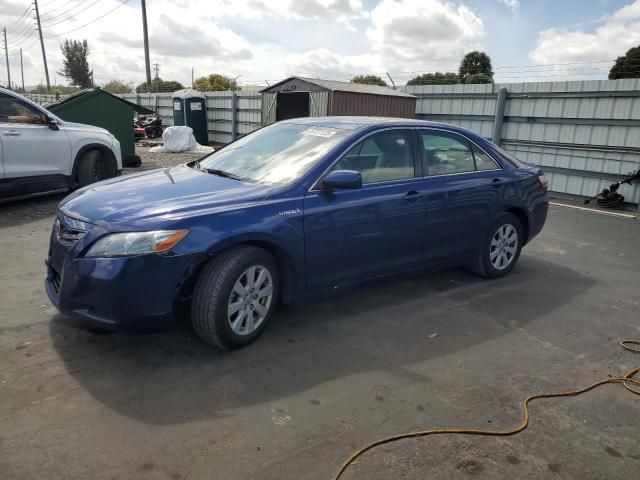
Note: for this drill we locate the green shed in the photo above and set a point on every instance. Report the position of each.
(102, 109)
(190, 109)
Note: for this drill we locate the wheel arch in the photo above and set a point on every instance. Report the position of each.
(286, 264)
(521, 214)
(102, 148)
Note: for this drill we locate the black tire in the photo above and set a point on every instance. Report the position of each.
(92, 168)
(482, 264)
(214, 290)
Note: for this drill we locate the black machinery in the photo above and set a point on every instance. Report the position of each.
(609, 197)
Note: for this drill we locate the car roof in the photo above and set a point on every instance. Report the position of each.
(356, 123)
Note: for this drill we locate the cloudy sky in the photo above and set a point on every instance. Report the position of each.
(267, 40)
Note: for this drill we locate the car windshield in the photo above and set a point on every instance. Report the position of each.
(277, 154)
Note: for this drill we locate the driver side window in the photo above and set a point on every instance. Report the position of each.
(15, 111)
(381, 157)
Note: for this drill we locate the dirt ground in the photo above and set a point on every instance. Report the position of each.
(441, 350)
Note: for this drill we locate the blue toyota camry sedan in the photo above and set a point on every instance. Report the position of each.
(294, 208)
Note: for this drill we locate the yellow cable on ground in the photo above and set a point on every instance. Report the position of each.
(627, 381)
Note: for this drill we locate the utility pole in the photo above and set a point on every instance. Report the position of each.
(392, 82)
(22, 71)
(145, 35)
(156, 70)
(44, 55)
(6, 56)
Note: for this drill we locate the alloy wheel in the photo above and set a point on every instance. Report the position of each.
(250, 300)
(504, 246)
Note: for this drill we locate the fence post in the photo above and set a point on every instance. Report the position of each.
(499, 118)
(234, 115)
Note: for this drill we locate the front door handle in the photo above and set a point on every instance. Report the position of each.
(412, 196)
(496, 182)
(11, 133)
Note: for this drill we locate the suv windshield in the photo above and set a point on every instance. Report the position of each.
(277, 154)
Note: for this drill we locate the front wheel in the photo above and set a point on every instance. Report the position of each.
(501, 248)
(93, 167)
(235, 296)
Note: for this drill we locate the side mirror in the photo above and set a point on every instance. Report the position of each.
(342, 179)
(52, 123)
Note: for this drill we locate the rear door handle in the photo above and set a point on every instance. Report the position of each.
(412, 196)
(11, 133)
(496, 182)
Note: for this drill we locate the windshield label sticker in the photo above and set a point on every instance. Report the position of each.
(284, 213)
(320, 132)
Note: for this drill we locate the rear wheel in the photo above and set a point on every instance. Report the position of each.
(93, 167)
(235, 296)
(501, 248)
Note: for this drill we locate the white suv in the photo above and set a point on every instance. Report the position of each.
(40, 153)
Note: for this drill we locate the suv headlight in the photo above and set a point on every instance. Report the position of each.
(135, 243)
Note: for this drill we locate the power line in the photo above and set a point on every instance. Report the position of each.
(21, 18)
(68, 14)
(124, 2)
(57, 8)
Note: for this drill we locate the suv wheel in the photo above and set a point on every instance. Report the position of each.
(92, 168)
(501, 248)
(235, 296)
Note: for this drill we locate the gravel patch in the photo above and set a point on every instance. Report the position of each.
(151, 161)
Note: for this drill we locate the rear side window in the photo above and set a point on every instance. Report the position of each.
(382, 157)
(449, 153)
(483, 161)
(15, 111)
(446, 153)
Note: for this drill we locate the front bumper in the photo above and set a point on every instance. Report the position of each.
(133, 294)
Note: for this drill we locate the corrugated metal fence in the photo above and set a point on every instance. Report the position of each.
(584, 134)
(229, 114)
(224, 121)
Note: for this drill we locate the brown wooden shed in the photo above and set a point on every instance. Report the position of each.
(310, 97)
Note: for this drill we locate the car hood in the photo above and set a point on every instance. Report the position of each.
(158, 197)
(83, 127)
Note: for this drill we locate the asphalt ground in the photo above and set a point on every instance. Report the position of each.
(437, 350)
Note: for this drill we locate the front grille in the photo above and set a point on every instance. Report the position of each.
(69, 230)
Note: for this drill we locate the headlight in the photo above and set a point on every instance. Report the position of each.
(136, 243)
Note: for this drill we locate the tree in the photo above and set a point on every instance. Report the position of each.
(479, 78)
(75, 65)
(438, 78)
(118, 86)
(627, 66)
(214, 83)
(369, 80)
(159, 85)
(475, 63)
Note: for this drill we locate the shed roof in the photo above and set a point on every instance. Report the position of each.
(97, 91)
(334, 85)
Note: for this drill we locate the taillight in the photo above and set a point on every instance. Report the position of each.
(544, 182)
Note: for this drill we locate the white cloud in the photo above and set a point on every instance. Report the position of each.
(261, 39)
(423, 34)
(619, 32)
(324, 63)
(512, 4)
(337, 10)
